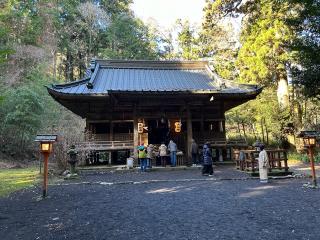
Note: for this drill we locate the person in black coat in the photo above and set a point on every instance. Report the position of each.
(207, 160)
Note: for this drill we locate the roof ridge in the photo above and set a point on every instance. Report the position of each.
(156, 64)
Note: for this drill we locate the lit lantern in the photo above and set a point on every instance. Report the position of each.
(140, 127)
(309, 142)
(177, 126)
(309, 138)
(45, 148)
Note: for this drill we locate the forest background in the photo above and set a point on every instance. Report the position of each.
(277, 45)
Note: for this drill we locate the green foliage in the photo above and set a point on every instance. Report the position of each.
(5, 50)
(263, 56)
(306, 159)
(22, 112)
(69, 34)
(187, 41)
(127, 38)
(23, 20)
(259, 119)
(20, 118)
(275, 35)
(218, 41)
(108, 30)
(306, 70)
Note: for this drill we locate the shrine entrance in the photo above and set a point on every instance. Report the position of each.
(158, 131)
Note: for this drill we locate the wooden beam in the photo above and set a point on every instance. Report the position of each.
(189, 135)
(135, 132)
(202, 124)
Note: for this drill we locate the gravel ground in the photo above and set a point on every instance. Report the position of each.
(184, 206)
(221, 172)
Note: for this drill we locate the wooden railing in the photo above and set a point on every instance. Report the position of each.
(105, 145)
(116, 137)
(223, 142)
(277, 160)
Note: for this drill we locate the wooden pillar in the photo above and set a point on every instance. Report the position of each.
(202, 126)
(135, 132)
(111, 131)
(189, 136)
(45, 175)
(110, 158)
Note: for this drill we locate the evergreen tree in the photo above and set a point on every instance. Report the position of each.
(187, 42)
(306, 46)
(218, 40)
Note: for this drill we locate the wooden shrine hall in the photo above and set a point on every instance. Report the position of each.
(128, 102)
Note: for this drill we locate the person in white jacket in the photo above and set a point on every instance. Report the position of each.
(163, 154)
(263, 164)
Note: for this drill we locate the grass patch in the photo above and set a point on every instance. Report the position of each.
(12, 180)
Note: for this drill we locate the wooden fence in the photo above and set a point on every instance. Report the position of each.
(105, 145)
(277, 160)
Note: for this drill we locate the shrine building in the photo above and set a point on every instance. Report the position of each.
(128, 102)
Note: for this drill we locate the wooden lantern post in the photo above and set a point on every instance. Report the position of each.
(309, 142)
(46, 142)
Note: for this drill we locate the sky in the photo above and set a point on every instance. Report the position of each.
(165, 12)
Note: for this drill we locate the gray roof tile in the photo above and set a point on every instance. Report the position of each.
(151, 76)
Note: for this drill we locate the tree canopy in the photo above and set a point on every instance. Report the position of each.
(274, 43)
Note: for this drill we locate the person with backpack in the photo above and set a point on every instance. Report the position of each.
(163, 154)
(142, 155)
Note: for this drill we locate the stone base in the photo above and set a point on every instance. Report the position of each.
(71, 176)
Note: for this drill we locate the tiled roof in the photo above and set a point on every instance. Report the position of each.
(151, 76)
(46, 138)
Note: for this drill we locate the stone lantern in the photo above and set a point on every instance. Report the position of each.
(72, 152)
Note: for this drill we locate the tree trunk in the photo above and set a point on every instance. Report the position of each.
(239, 131)
(262, 130)
(305, 110)
(54, 64)
(90, 44)
(69, 67)
(266, 128)
(283, 92)
(244, 131)
(254, 131)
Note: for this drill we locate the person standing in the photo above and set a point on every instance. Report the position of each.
(207, 160)
(242, 158)
(142, 155)
(194, 153)
(149, 155)
(263, 165)
(172, 147)
(163, 154)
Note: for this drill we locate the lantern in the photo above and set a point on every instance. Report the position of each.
(45, 148)
(177, 126)
(140, 127)
(309, 138)
(309, 142)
